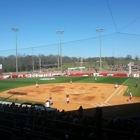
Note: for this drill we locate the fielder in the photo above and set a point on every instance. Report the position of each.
(70, 81)
(130, 98)
(36, 84)
(67, 98)
(136, 84)
(95, 77)
(116, 85)
(50, 100)
(47, 103)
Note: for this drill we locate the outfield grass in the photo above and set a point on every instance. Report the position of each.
(130, 82)
(132, 88)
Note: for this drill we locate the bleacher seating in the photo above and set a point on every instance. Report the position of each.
(29, 121)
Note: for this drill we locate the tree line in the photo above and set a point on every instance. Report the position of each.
(28, 62)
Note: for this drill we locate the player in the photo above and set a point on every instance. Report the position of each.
(50, 100)
(47, 103)
(70, 81)
(67, 98)
(36, 84)
(130, 98)
(136, 84)
(95, 77)
(116, 85)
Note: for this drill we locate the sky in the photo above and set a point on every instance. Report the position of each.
(39, 20)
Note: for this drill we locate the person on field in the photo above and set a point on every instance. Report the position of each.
(130, 97)
(50, 100)
(67, 98)
(70, 81)
(95, 77)
(136, 84)
(116, 85)
(47, 103)
(36, 84)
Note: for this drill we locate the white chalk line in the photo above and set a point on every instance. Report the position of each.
(72, 102)
(113, 106)
(93, 104)
(76, 92)
(115, 92)
(120, 92)
(77, 103)
(80, 91)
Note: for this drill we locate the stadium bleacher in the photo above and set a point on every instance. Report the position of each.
(36, 122)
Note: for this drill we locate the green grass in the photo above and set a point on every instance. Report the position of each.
(8, 99)
(131, 87)
(8, 84)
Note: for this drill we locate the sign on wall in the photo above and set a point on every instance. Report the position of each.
(0, 66)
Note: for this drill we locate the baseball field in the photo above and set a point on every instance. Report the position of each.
(84, 91)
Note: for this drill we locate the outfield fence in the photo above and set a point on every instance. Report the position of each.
(50, 75)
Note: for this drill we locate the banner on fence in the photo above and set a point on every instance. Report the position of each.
(0, 66)
(0, 69)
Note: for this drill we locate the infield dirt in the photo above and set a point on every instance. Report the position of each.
(87, 95)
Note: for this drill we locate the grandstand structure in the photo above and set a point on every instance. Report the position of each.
(25, 121)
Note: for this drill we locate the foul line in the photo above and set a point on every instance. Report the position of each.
(115, 92)
(120, 91)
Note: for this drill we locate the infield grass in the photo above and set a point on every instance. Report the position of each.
(21, 82)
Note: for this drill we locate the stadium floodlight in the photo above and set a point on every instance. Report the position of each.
(16, 30)
(100, 34)
(40, 64)
(59, 33)
(33, 59)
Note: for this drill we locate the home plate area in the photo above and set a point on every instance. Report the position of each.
(107, 107)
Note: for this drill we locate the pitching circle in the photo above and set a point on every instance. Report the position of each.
(75, 92)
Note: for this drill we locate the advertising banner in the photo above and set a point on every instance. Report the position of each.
(0, 66)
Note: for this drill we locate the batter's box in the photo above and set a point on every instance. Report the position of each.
(110, 107)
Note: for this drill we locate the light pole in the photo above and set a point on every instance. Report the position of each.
(33, 59)
(58, 58)
(59, 33)
(100, 33)
(40, 64)
(16, 30)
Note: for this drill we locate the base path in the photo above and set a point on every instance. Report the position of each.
(87, 95)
